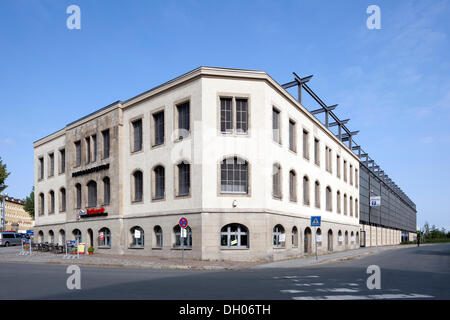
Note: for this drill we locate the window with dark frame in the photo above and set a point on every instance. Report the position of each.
(292, 186)
(305, 144)
(106, 190)
(317, 194)
(77, 153)
(78, 195)
(137, 242)
(276, 181)
(292, 137)
(51, 210)
(94, 147)
(184, 180)
(92, 194)
(159, 175)
(41, 168)
(106, 143)
(158, 237)
(41, 204)
(226, 115)
(276, 125)
(305, 190)
(137, 135)
(183, 120)
(158, 120)
(234, 176)
(88, 150)
(137, 177)
(51, 158)
(62, 163)
(63, 199)
(241, 115)
(187, 242)
(316, 151)
(234, 236)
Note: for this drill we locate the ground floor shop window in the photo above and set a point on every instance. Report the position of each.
(104, 238)
(279, 236)
(187, 241)
(234, 236)
(158, 237)
(137, 237)
(77, 235)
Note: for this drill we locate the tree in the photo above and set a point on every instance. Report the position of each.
(29, 203)
(3, 175)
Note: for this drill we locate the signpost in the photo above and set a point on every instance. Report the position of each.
(183, 234)
(315, 222)
(375, 201)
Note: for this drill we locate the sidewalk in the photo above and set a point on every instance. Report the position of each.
(331, 257)
(11, 254)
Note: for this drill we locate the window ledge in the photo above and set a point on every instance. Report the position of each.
(234, 248)
(278, 248)
(180, 248)
(157, 248)
(136, 247)
(104, 247)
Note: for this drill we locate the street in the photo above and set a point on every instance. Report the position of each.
(406, 273)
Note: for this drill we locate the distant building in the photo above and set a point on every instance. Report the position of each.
(16, 218)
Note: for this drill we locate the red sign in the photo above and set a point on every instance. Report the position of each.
(183, 222)
(91, 211)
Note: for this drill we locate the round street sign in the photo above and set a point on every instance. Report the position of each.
(183, 222)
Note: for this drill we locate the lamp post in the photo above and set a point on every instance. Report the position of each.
(3, 210)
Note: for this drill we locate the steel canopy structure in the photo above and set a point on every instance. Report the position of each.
(397, 210)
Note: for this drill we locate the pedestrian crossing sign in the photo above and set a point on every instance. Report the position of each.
(315, 221)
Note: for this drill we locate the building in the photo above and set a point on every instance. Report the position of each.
(231, 150)
(16, 218)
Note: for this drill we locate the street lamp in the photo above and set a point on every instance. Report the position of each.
(4, 195)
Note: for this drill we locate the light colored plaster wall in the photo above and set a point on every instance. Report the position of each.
(168, 155)
(49, 183)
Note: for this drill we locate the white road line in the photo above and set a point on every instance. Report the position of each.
(292, 291)
(308, 284)
(338, 290)
(365, 297)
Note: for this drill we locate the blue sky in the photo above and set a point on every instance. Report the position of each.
(394, 83)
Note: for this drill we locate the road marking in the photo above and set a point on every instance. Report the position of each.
(367, 297)
(292, 291)
(308, 284)
(338, 290)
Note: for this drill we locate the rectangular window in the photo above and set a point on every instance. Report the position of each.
(356, 178)
(345, 170)
(316, 152)
(306, 144)
(226, 118)
(78, 191)
(94, 147)
(62, 160)
(51, 160)
(241, 115)
(63, 200)
(77, 153)
(41, 168)
(183, 120)
(276, 126)
(184, 179)
(338, 166)
(88, 150)
(106, 143)
(351, 174)
(292, 136)
(137, 135)
(158, 120)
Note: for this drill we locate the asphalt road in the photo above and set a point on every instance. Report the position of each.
(406, 273)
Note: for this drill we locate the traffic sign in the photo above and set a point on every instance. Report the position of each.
(375, 201)
(315, 221)
(183, 222)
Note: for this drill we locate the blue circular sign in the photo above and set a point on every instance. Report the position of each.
(183, 222)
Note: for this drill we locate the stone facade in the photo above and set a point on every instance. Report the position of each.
(208, 209)
(16, 218)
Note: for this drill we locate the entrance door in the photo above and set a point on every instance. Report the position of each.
(307, 237)
(330, 240)
(91, 237)
(362, 241)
